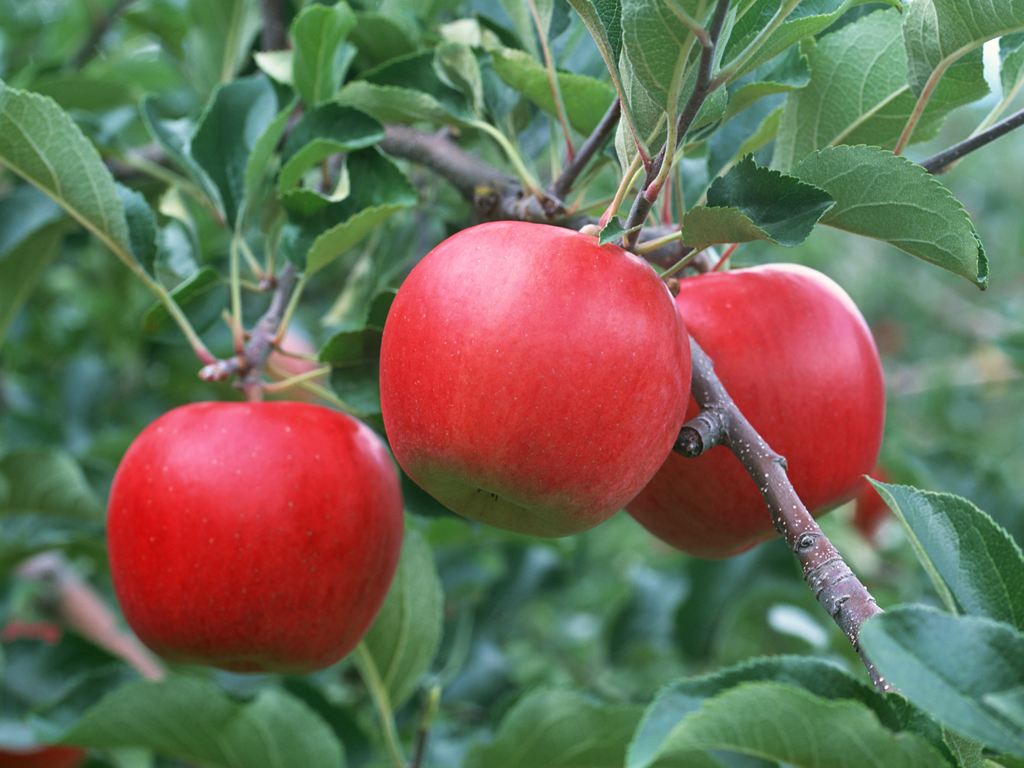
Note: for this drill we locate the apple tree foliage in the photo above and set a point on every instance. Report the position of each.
(177, 137)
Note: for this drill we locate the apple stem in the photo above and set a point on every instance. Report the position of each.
(381, 700)
(836, 587)
(81, 609)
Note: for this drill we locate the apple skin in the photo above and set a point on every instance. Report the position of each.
(532, 379)
(254, 536)
(798, 359)
(870, 511)
(42, 757)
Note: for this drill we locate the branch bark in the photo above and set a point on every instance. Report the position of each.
(248, 365)
(843, 596)
(561, 186)
(99, 30)
(274, 36)
(78, 607)
(940, 163)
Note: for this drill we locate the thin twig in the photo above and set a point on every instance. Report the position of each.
(274, 37)
(250, 362)
(940, 162)
(99, 30)
(702, 88)
(561, 186)
(720, 422)
(78, 607)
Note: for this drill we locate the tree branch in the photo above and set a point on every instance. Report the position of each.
(720, 422)
(78, 607)
(561, 186)
(249, 364)
(940, 163)
(274, 36)
(701, 90)
(91, 45)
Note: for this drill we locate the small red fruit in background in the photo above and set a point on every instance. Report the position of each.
(532, 379)
(870, 511)
(42, 757)
(797, 357)
(254, 536)
(37, 757)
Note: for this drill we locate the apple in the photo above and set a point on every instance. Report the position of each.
(254, 536)
(797, 357)
(870, 511)
(532, 379)
(41, 757)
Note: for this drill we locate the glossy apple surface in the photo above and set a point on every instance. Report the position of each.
(797, 357)
(43, 757)
(532, 379)
(254, 536)
(870, 511)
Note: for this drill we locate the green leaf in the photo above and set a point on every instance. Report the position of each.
(752, 202)
(379, 189)
(194, 720)
(858, 92)
(28, 243)
(656, 43)
(890, 198)
(219, 37)
(381, 38)
(680, 699)
(263, 148)
(784, 723)
(1011, 56)
(586, 99)
(40, 143)
(614, 231)
(407, 90)
(407, 632)
(951, 666)
(174, 138)
(237, 116)
(457, 67)
(559, 729)
(603, 19)
(963, 550)
(202, 296)
(783, 74)
(940, 32)
(46, 483)
(141, 226)
(323, 132)
(319, 62)
(809, 19)
(277, 65)
(354, 356)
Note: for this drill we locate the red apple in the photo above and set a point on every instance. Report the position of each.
(254, 536)
(870, 511)
(797, 357)
(532, 379)
(42, 757)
